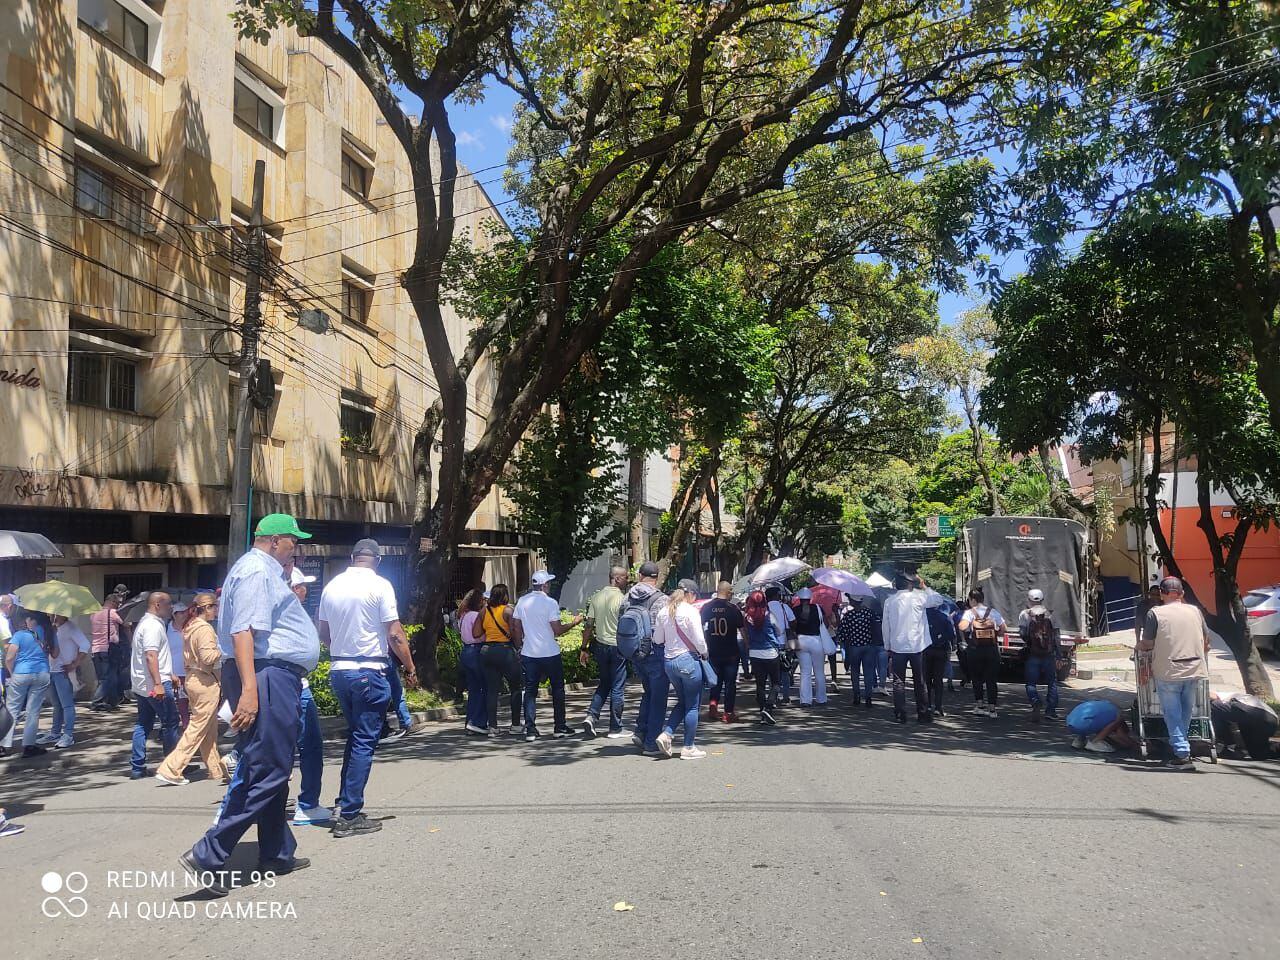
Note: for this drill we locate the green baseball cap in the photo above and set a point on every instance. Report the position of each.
(279, 525)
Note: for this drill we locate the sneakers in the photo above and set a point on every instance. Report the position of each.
(767, 718)
(515, 730)
(33, 752)
(589, 727)
(64, 741)
(729, 718)
(167, 780)
(208, 879)
(692, 753)
(1077, 742)
(900, 717)
(1099, 746)
(1182, 764)
(398, 734)
(992, 712)
(638, 741)
(664, 743)
(713, 711)
(1052, 715)
(1035, 712)
(619, 735)
(355, 827)
(309, 815)
(8, 828)
(530, 734)
(478, 731)
(979, 709)
(561, 732)
(46, 738)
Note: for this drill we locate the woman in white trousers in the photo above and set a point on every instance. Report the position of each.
(812, 658)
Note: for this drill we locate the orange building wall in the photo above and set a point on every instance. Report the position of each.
(1259, 566)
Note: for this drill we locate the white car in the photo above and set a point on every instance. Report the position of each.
(1263, 605)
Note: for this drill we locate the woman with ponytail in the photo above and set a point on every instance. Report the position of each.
(763, 646)
(679, 629)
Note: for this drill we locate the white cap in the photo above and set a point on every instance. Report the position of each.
(804, 594)
(180, 606)
(297, 577)
(542, 577)
(1035, 596)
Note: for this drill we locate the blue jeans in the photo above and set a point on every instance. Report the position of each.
(25, 692)
(613, 684)
(150, 711)
(397, 696)
(685, 674)
(259, 789)
(473, 673)
(1177, 703)
(536, 669)
(1042, 670)
(105, 695)
(653, 702)
(64, 706)
(364, 696)
(882, 666)
(864, 659)
(310, 751)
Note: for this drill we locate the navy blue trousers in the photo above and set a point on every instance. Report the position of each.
(259, 789)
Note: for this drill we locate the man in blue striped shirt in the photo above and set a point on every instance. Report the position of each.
(268, 644)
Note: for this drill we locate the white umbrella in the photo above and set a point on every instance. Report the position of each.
(844, 581)
(779, 569)
(876, 580)
(19, 543)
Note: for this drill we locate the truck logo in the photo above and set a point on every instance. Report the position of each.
(1024, 529)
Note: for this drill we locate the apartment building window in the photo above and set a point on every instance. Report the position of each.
(102, 367)
(108, 197)
(120, 25)
(254, 111)
(355, 422)
(355, 175)
(357, 296)
(96, 380)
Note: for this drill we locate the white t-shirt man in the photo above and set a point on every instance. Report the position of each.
(535, 611)
(359, 606)
(150, 634)
(71, 643)
(783, 617)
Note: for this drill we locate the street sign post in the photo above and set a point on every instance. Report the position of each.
(938, 526)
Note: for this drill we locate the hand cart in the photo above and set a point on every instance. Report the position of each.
(1149, 717)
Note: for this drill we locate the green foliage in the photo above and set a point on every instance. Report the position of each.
(322, 691)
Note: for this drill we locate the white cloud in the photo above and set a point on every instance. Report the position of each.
(501, 123)
(468, 139)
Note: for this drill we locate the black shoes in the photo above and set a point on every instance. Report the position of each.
(282, 867)
(531, 734)
(562, 732)
(209, 880)
(900, 717)
(355, 827)
(33, 752)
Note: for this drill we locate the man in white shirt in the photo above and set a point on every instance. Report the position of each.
(151, 676)
(906, 635)
(360, 625)
(536, 622)
(72, 650)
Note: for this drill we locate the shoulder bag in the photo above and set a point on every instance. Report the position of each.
(709, 676)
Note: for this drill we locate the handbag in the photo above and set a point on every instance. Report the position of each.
(828, 645)
(709, 675)
(6, 720)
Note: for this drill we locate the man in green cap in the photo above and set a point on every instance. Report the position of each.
(269, 645)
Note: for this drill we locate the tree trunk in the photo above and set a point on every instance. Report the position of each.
(1231, 621)
(980, 450)
(635, 508)
(1060, 499)
(1258, 301)
(687, 508)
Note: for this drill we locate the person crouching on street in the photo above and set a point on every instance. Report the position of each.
(360, 624)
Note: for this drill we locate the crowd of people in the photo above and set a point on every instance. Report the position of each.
(243, 654)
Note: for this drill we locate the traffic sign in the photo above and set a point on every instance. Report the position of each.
(939, 525)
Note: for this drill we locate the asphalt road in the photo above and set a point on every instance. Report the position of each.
(834, 834)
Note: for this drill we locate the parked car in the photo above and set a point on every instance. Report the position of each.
(1263, 605)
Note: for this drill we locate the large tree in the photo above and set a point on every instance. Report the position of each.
(1151, 101)
(637, 122)
(1142, 329)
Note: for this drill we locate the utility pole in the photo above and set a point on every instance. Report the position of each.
(250, 331)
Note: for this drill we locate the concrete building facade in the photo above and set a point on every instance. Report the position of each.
(129, 131)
